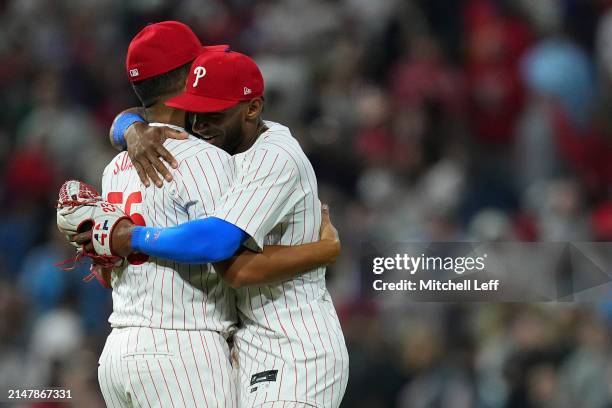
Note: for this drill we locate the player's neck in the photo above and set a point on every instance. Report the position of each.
(162, 114)
(249, 140)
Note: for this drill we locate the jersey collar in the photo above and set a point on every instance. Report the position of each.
(159, 124)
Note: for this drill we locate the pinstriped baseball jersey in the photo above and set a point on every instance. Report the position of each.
(165, 349)
(290, 346)
(160, 293)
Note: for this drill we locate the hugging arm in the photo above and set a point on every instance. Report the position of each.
(145, 145)
(277, 263)
(214, 240)
(199, 241)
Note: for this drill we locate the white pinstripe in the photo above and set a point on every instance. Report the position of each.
(291, 327)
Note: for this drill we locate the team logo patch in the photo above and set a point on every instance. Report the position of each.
(247, 90)
(134, 72)
(264, 376)
(199, 73)
(100, 234)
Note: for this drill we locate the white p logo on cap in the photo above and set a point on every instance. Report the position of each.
(199, 72)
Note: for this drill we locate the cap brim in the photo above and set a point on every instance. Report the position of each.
(197, 103)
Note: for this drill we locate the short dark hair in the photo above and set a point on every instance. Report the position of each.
(151, 91)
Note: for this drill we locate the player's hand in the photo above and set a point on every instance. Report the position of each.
(329, 233)
(146, 147)
(121, 238)
(83, 240)
(99, 270)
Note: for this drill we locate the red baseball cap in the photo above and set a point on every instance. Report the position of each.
(218, 80)
(159, 48)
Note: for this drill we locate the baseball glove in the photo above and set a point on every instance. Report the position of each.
(81, 208)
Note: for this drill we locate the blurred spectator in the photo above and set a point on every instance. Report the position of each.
(559, 69)
(12, 354)
(437, 382)
(585, 374)
(495, 43)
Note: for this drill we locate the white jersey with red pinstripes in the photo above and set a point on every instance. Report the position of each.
(168, 346)
(290, 346)
(164, 294)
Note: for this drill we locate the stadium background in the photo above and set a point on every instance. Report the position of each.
(426, 120)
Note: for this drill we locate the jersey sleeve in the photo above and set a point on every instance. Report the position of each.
(201, 180)
(263, 192)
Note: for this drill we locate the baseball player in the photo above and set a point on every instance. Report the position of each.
(290, 346)
(170, 321)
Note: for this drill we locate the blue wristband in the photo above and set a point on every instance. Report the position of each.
(124, 121)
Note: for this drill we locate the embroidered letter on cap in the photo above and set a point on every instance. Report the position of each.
(199, 72)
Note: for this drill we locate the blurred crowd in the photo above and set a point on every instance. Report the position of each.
(425, 120)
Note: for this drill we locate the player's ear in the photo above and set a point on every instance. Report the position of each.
(255, 108)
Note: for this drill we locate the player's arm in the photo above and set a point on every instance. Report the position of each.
(239, 216)
(145, 144)
(214, 240)
(277, 263)
(199, 241)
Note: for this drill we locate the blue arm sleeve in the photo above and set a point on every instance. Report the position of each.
(199, 241)
(122, 122)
